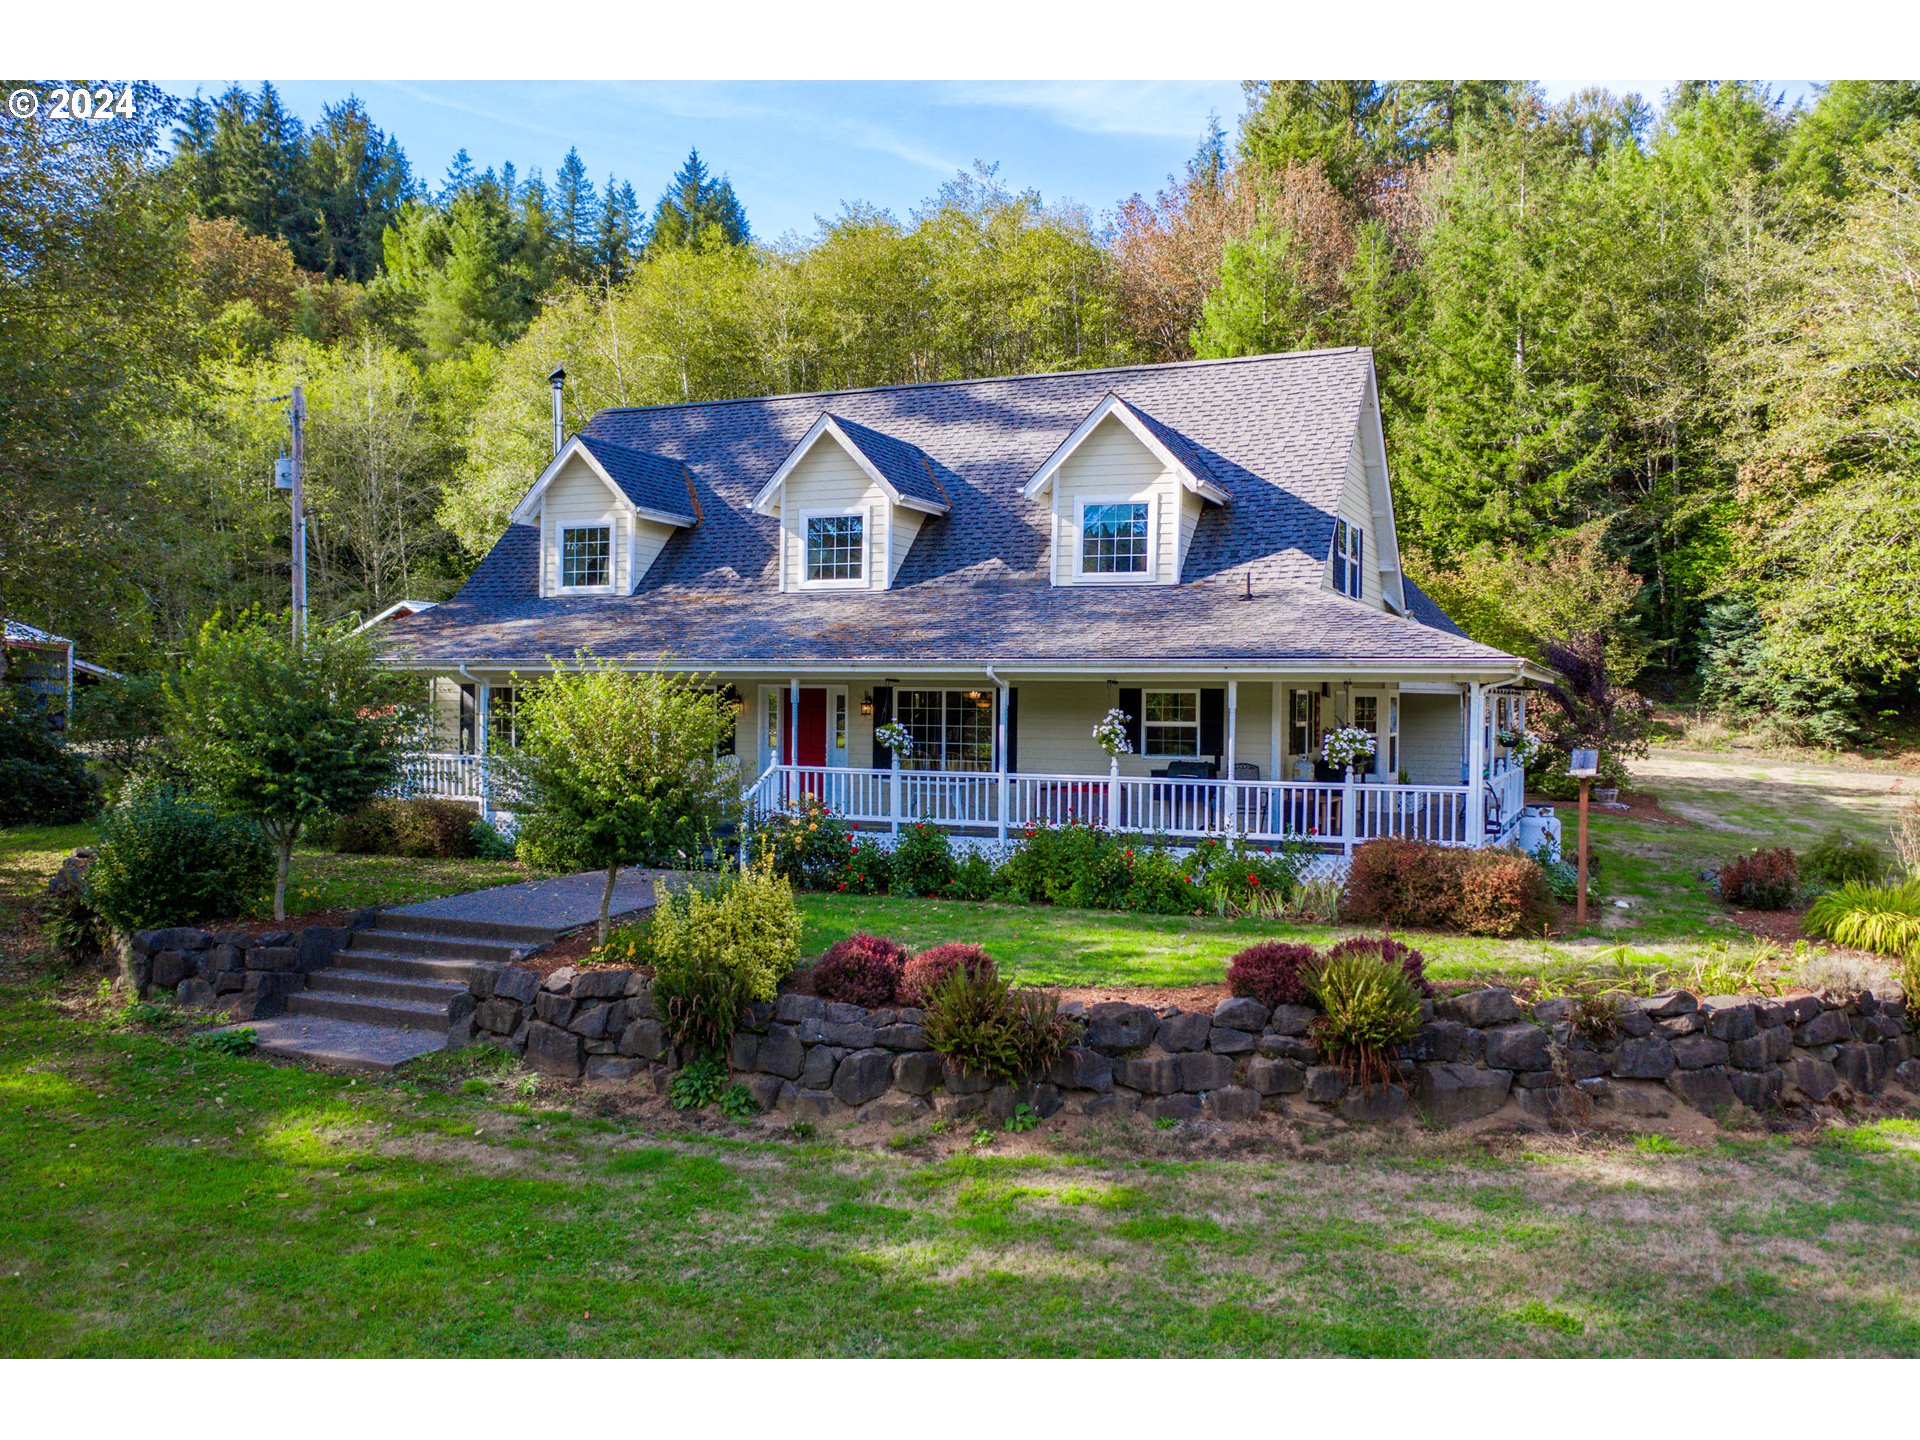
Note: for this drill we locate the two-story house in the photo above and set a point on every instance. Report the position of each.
(995, 564)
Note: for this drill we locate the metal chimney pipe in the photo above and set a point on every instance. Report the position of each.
(558, 380)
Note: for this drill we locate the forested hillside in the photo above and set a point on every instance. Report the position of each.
(1654, 367)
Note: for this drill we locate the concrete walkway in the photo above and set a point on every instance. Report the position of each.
(562, 903)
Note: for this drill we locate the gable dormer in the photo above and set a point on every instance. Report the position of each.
(605, 511)
(1125, 494)
(1363, 557)
(850, 500)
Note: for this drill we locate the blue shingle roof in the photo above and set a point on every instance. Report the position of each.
(653, 482)
(1274, 432)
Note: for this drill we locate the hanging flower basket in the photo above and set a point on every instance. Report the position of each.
(1347, 748)
(896, 737)
(1522, 745)
(1111, 733)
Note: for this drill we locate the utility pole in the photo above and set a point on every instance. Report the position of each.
(299, 412)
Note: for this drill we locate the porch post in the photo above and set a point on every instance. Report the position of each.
(792, 786)
(1276, 733)
(1000, 762)
(482, 711)
(1233, 753)
(1476, 763)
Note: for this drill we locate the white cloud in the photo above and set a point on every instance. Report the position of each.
(1164, 108)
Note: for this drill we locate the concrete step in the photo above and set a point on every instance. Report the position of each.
(341, 1044)
(370, 1010)
(408, 942)
(366, 984)
(408, 967)
(499, 932)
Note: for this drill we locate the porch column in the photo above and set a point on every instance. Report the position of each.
(1000, 762)
(793, 738)
(1476, 764)
(482, 712)
(1277, 734)
(1233, 752)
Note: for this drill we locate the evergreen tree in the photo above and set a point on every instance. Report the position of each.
(696, 209)
(361, 179)
(574, 219)
(616, 238)
(460, 175)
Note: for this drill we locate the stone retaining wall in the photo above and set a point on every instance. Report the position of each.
(249, 976)
(1473, 1053)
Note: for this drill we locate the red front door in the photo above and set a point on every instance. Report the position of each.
(812, 727)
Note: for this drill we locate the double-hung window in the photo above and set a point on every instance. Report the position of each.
(1115, 538)
(1170, 724)
(836, 549)
(586, 557)
(1349, 556)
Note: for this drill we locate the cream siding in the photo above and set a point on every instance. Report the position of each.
(649, 538)
(578, 496)
(1190, 507)
(828, 480)
(1431, 744)
(1112, 464)
(1356, 508)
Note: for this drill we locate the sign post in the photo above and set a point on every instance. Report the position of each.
(1584, 766)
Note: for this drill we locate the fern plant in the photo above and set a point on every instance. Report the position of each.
(1881, 918)
(1370, 1009)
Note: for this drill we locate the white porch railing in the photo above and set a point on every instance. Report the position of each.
(1338, 816)
(446, 775)
(1508, 799)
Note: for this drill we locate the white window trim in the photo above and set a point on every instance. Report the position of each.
(866, 549)
(1147, 754)
(560, 587)
(1341, 556)
(1149, 576)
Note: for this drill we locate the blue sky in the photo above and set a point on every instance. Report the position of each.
(795, 150)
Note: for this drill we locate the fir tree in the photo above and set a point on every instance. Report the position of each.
(694, 207)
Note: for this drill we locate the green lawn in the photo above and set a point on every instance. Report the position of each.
(162, 1200)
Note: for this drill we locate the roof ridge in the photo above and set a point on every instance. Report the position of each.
(986, 380)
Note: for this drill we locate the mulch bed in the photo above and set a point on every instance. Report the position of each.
(252, 927)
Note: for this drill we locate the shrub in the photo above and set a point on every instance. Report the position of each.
(1237, 879)
(928, 971)
(366, 831)
(1502, 893)
(1158, 884)
(810, 845)
(1368, 1010)
(72, 926)
(717, 949)
(1272, 973)
(1406, 884)
(1764, 880)
(922, 861)
(1881, 918)
(1070, 864)
(1838, 858)
(434, 830)
(869, 869)
(489, 843)
(164, 858)
(862, 969)
(698, 1083)
(42, 782)
(973, 877)
(1411, 962)
(981, 1024)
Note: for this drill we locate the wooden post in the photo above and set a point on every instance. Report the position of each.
(1580, 893)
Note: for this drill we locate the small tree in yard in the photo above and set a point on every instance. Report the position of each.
(623, 768)
(1592, 711)
(284, 731)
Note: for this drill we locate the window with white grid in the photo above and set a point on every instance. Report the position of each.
(1113, 538)
(1170, 723)
(586, 556)
(836, 549)
(951, 729)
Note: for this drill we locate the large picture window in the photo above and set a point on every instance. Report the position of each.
(836, 549)
(1113, 538)
(1349, 557)
(1170, 724)
(951, 729)
(586, 556)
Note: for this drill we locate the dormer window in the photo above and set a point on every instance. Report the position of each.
(836, 550)
(1349, 551)
(1116, 539)
(586, 557)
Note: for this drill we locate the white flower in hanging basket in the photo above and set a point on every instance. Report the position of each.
(1346, 748)
(1523, 745)
(896, 737)
(1111, 733)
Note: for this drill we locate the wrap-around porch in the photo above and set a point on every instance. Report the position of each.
(991, 755)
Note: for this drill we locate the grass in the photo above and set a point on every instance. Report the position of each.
(321, 880)
(167, 1200)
